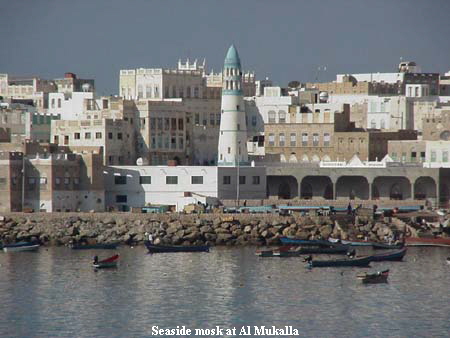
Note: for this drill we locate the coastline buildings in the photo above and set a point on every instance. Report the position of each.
(180, 136)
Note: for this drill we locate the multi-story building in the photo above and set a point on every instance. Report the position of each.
(70, 83)
(117, 138)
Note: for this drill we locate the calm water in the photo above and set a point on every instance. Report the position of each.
(55, 293)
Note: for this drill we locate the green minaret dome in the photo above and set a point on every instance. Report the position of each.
(232, 57)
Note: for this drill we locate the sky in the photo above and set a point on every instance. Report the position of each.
(284, 40)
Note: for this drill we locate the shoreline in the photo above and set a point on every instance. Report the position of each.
(58, 229)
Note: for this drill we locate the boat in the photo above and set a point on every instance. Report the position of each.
(289, 251)
(374, 278)
(108, 246)
(298, 241)
(356, 243)
(389, 256)
(382, 246)
(448, 260)
(110, 262)
(156, 248)
(424, 241)
(20, 246)
(357, 261)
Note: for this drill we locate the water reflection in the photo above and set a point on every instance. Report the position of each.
(56, 292)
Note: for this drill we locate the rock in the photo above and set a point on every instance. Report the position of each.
(248, 229)
(205, 229)
(302, 234)
(325, 231)
(223, 238)
(210, 237)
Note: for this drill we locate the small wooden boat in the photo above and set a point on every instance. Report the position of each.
(389, 256)
(153, 248)
(358, 261)
(448, 260)
(423, 241)
(108, 246)
(110, 262)
(297, 241)
(356, 243)
(382, 246)
(374, 278)
(288, 251)
(20, 246)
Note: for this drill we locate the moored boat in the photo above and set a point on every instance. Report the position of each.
(287, 251)
(389, 256)
(356, 243)
(156, 248)
(423, 241)
(374, 278)
(108, 246)
(382, 246)
(298, 241)
(20, 246)
(110, 262)
(357, 261)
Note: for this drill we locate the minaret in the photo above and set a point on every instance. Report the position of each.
(233, 130)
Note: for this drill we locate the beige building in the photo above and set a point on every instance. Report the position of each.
(116, 137)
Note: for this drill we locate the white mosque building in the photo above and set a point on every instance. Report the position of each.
(233, 179)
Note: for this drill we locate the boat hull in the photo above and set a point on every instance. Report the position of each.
(33, 247)
(362, 261)
(303, 251)
(389, 256)
(152, 248)
(105, 265)
(109, 246)
(418, 241)
(297, 241)
(375, 278)
(355, 243)
(382, 246)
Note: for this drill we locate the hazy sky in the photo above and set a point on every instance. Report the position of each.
(284, 40)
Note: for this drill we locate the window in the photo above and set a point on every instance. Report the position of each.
(76, 181)
(119, 136)
(255, 180)
(148, 91)
(188, 92)
(145, 180)
(66, 180)
(326, 140)
(254, 120)
(227, 180)
(180, 142)
(382, 124)
(98, 135)
(304, 140)
(105, 104)
(394, 156)
(76, 136)
(229, 150)
(241, 180)
(403, 157)
(121, 198)
(156, 92)
(120, 180)
(2, 180)
(315, 140)
(43, 180)
(160, 123)
(180, 124)
(422, 156)
(111, 159)
(59, 103)
(281, 140)
(373, 124)
(218, 119)
(271, 116)
(196, 92)
(293, 141)
(87, 136)
(171, 179)
(271, 140)
(110, 136)
(197, 179)
(282, 117)
(413, 156)
(212, 119)
(173, 124)
(433, 156)
(166, 142)
(197, 118)
(173, 142)
(445, 156)
(53, 103)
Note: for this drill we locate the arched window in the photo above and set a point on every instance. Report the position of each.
(231, 85)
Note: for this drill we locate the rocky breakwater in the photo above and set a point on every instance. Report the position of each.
(212, 229)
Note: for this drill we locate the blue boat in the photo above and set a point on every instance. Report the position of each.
(383, 246)
(21, 246)
(389, 256)
(297, 241)
(107, 246)
(153, 248)
(358, 261)
(356, 243)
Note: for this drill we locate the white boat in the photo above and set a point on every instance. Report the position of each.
(21, 246)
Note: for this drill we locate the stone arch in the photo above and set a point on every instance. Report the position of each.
(284, 191)
(293, 158)
(444, 195)
(305, 158)
(326, 158)
(445, 135)
(424, 188)
(352, 187)
(316, 186)
(391, 187)
(315, 158)
(282, 158)
(282, 187)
